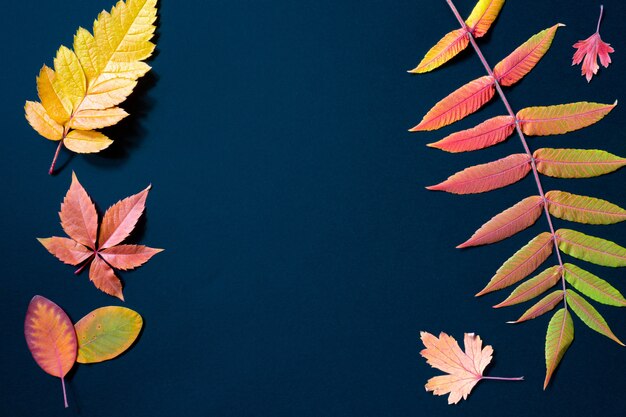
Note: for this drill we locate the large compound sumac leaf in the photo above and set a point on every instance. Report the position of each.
(544, 305)
(488, 133)
(458, 104)
(558, 339)
(576, 163)
(521, 61)
(50, 338)
(533, 287)
(446, 49)
(582, 209)
(590, 316)
(591, 249)
(483, 15)
(593, 287)
(512, 220)
(106, 332)
(486, 177)
(562, 118)
(521, 264)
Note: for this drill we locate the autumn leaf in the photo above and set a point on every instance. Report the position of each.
(106, 332)
(87, 84)
(464, 369)
(589, 50)
(51, 338)
(99, 249)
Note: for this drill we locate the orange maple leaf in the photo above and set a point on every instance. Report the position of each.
(464, 369)
(101, 250)
(589, 50)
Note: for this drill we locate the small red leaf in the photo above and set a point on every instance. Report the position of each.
(120, 219)
(79, 218)
(66, 250)
(104, 278)
(588, 51)
(487, 177)
(51, 338)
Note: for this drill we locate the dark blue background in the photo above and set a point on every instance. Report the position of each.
(303, 254)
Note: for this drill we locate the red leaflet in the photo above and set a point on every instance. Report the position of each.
(458, 104)
(486, 177)
(51, 338)
(589, 50)
(533, 287)
(522, 60)
(512, 220)
(488, 133)
(544, 305)
(79, 219)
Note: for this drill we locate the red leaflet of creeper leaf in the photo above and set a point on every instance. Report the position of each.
(560, 163)
(100, 250)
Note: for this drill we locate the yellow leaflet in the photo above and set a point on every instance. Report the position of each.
(86, 141)
(41, 122)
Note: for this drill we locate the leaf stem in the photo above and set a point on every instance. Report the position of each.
(56, 155)
(499, 378)
(64, 393)
(600, 18)
(521, 137)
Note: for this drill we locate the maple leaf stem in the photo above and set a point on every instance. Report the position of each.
(83, 266)
(600, 18)
(521, 137)
(56, 155)
(499, 378)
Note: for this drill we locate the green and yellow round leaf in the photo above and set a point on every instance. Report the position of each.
(106, 333)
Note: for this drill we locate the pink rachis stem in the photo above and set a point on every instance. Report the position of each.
(521, 137)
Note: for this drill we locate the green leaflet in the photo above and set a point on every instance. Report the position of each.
(558, 339)
(581, 209)
(521, 264)
(106, 333)
(576, 163)
(544, 305)
(589, 315)
(533, 287)
(591, 249)
(593, 287)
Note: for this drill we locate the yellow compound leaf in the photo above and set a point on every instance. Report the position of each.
(41, 121)
(86, 141)
(87, 83)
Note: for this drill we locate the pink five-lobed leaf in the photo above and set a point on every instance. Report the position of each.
(488, 133)
(522, 60)
(561, 118)
(458, 104)
(486, 177)
(51, 338)
(464, 369)
(589, 50)
(521, 264)
(79, 219)
(512, 220)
